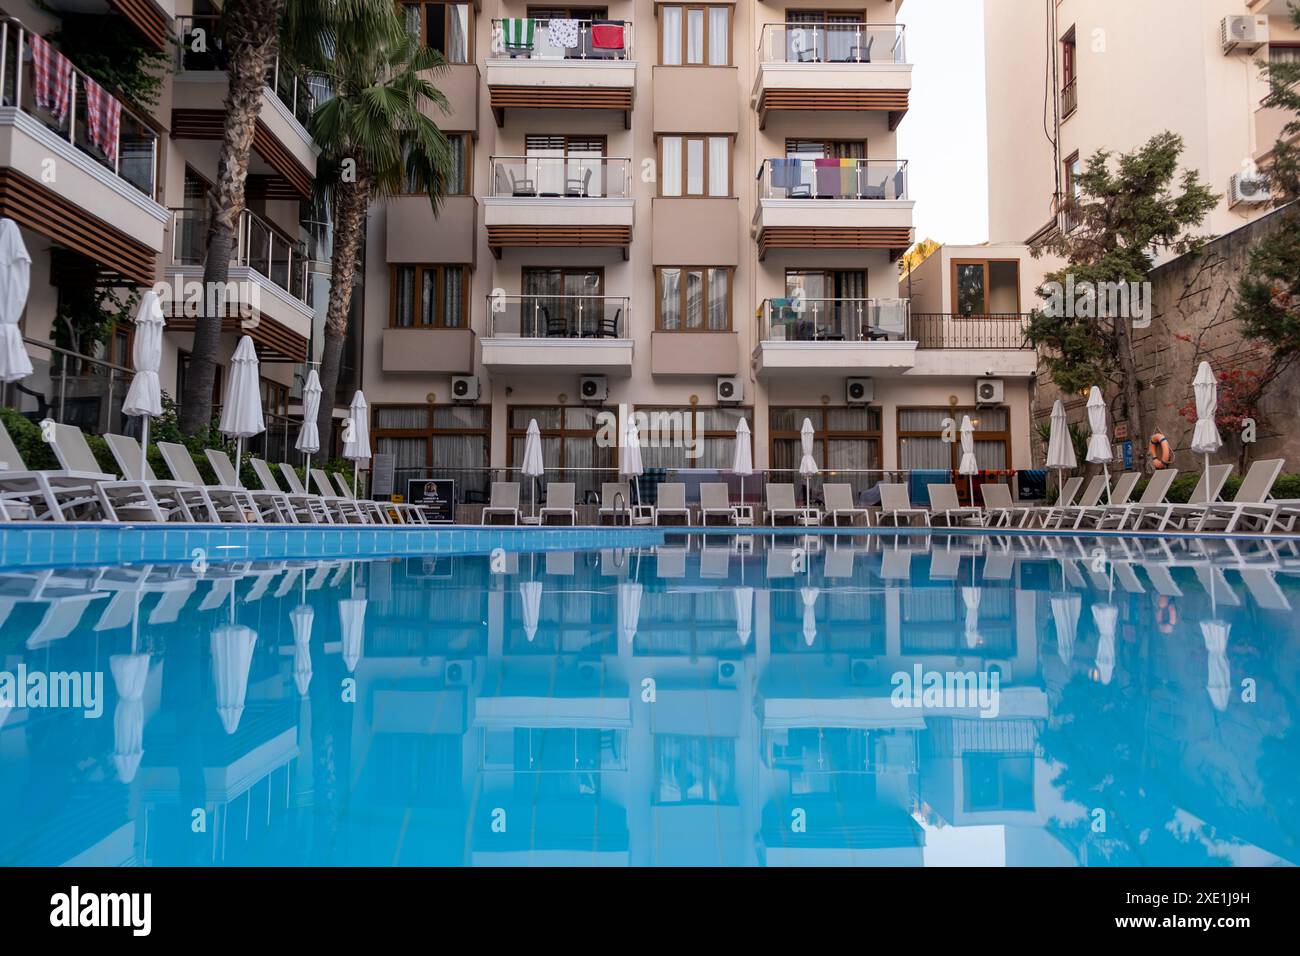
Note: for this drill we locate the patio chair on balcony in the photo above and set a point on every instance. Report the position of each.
(521, 187)
(578, 188)
(557, 326)
(874, 192)
(606, 327)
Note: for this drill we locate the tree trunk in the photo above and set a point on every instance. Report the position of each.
(1130, 388)
(351, 205)
(252, 35)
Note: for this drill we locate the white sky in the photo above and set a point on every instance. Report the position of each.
(943, 137)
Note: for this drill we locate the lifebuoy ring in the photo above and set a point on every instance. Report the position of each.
(1161, 452)
(1166, 615)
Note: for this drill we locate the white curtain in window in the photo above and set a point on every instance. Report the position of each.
(457, 33)
(695, 36)
(453, 293)
(672, 171)
(718, 166)
(719, 317)
(670, 299)
(672, 22)
(719, 36)
(695, 167)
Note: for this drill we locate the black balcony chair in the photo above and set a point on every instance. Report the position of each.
(557, 327)
(577, 188)
(606, 328)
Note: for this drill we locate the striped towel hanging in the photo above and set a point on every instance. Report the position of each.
(518, 32)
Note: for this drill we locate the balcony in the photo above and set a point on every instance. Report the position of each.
(1069, 99)
(104, 204)
(537, 71)
(833, 204)
(268, 294)
(798, 336)
(558, 201)
(284, 162)
(840, 67)
(959, 345)
(581, 334)
(428, 351)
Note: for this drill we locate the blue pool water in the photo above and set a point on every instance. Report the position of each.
(702, 700)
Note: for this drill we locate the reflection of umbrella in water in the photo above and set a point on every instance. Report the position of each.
(130, 673)
(352, 624)
(970, 596)
(301, 619)
(1215, 633)
(629, 609)
(1065, 616)
(232, 656)
(530, 594)
(809, 596)
(744, 598)
(1105, 617)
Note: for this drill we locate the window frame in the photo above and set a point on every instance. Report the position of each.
(954, 448)
(985, 263)
(731, 294)
(440, 285)
(706, 44)
(823, 434)
(466, 186)
(706, 172)
(424, 6)
(428, 431)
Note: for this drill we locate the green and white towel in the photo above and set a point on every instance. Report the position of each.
(518, 32)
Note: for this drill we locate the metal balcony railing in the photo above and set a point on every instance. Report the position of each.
(130, 151)
(800, 319)
(570, 177)
(939, 330)
(829, 178)
(533, 39)
(257, 246)
(1069, 98)
(832, 43)
(558, 316)
(200, 46)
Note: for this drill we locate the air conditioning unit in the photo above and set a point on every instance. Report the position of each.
(591, 673)
(1249, 189)
(458, 673)
(731, 388)
(1244, 34)
(989, 391)
(862, 671)
(859, 391)
(1000, 667)
(464, 388)
(593, 388)
(728, 673)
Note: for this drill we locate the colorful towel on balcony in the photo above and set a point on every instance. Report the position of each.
(103, 119)
(563, 33)
(785, 173)
(518, 32)
(53, 78)
(828, 177)
(607, 35)
(848, 177)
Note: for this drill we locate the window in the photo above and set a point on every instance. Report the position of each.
(454, 437)
(275, 397)
(1072, 172)
(444, 26)
(921, 445)
(695, 35)
(1283, 53)
(568, 302)
(695, 166)
(693, 298)
(819, 36)
(998, 781)
(460, 146)
(986, 287)
(569, 441)
(571, 166)
(695, 770)
(843, 438)
(1069, 74)
(711, 431)
(429, 297)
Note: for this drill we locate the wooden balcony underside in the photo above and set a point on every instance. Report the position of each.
(892, 101)
(560, 98)
(294, 180)
(563, 236)
(896, 240)
(274, 342)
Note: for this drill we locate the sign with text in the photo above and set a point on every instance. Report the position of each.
(437, 496)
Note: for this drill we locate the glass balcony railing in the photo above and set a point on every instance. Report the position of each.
(533, 39)
(558, 316)
(201, 46)
(129, 148)
(569, 177)
(830, 178)
(800, 319)
(257, 246)
(832, 43)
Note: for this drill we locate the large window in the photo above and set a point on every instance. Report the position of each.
(1069, 74)
(444, 26)
(441, 440)
(429, 297)
(693, 298)
(844, 438)
(570, 166)
(921, 445)
(699, 770)
(692, 35)
(570, 450)
(982, 287)
(460, 148)
(695, 165)
(712, 432)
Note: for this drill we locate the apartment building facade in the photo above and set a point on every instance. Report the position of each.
(671, 207)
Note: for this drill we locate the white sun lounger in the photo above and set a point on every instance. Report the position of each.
(345, 509)
(504, 503)
(119, 500)
(559, 503)
(838, 498)
(715, 502)
(233, 504)
(672, 502)
(192, 499)
(307, 508)
(895, 503)
(1163, 515)
(945, 506)
(271, 505)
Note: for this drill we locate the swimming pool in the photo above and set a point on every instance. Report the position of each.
(636, 698)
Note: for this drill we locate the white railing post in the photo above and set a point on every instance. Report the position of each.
(18, 70)
(4, 56)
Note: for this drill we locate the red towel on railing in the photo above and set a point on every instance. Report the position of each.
(103, 118)
(606, 35)
(53, 78)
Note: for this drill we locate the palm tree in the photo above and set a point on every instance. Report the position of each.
(377, 140)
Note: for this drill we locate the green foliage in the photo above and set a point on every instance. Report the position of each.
(86, 316)
(26, 435)
(110, 51)
(1078, 437)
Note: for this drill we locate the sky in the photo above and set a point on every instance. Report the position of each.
(943, 137)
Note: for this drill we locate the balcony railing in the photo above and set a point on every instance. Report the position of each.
(827, 178)
(257, 246)
(937, 330)
(1069, 98)
(131, 154)
(532, 39)
(800, 319)
(570, 177)
(559, 316)
(832, 43)
(205, 32)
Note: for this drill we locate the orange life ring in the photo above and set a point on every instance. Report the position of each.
(1166, 615)
(1161, 452)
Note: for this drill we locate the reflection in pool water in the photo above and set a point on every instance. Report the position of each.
(715, 700)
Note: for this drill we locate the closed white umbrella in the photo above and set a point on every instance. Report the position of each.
(809, 597)
(308, 434)
(629, 609)
(744, 598)
(1105, 617)
(15, 282)
(232, 656)
(1060, 445)
(144, 397)
(1205, 438)
(530, 595)
(358, 449)
(301, 619)
(968, 465)
(742, 463)
(1065, 618)
(629, 462)
(970, 596)
(1219, 681)
(807, 464)
(1099, 452)
(533, 467)
(241, 416)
